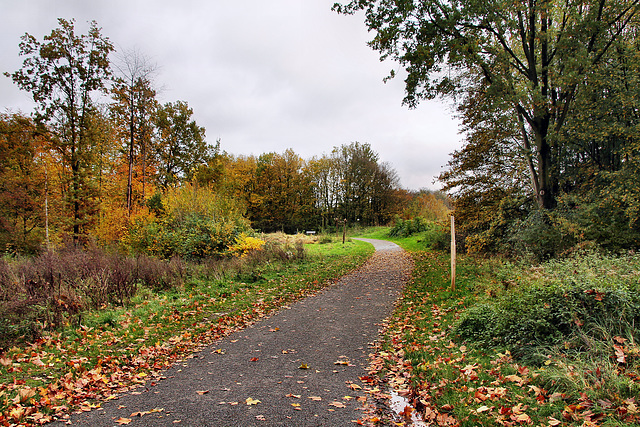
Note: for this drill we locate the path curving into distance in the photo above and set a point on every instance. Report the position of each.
(254, 377)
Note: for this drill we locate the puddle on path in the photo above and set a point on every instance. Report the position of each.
(399, 403)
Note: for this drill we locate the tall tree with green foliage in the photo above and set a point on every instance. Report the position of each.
(534, 57)
(63, 73)
(180, 145)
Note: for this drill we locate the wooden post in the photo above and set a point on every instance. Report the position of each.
(453, 253)
(344, 231)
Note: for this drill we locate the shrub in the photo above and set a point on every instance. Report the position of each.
(194, 224)
(409, 227)
(158, 274)
(55, 288)
(538, 237)
(325, 239)
(245, 244)
(588, 295)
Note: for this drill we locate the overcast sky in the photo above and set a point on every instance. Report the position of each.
(260, 75)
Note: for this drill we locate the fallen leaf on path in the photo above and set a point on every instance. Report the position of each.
(297, 396)
(201, 392)
(250, 401)
(316, 398)
(123, 421)
(254, 359)
(304, 366)
(406, 412)
(338, 404)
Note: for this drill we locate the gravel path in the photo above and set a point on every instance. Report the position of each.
(299, 367)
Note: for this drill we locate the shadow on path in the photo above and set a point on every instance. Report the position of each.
(299, 367)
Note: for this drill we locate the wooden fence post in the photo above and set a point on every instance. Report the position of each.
(453, 253)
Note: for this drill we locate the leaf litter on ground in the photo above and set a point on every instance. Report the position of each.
(448, 384)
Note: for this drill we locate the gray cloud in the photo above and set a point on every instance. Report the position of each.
(262, 76)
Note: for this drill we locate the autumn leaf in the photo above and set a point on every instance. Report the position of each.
(250, 401)
(254, 359)
(522, 418)
(201, 392)
(514, 378)
(619, 340)
(296, 396)
(620, 355)
(316, 398)
(123, 421)
(598, 296)
(303, 366)
(36, 361)
(16, 413)
(24, 395)
(338, 404)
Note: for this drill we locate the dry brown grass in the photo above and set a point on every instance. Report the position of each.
(289, 239)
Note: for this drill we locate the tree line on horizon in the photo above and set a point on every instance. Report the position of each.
(102, 160)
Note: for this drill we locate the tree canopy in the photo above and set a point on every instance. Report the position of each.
(525, 76)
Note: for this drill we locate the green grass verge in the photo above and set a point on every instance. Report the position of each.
(118, 348)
